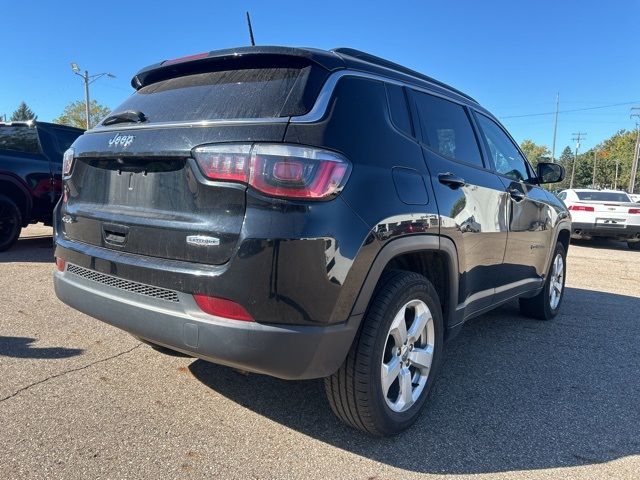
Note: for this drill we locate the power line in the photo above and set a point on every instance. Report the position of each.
(572, 110)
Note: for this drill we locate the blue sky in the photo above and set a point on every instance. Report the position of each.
(512, 56)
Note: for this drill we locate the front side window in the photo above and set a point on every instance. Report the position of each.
(505, 155)
(446, 129)
(19, 139)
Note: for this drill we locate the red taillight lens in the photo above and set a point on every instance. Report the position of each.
(635, 211)
(221, 307)
(286, 171)
(581, 208)
(60, 264)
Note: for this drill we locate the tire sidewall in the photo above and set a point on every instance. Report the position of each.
(389, 421)
(552, 312)
(9, 240)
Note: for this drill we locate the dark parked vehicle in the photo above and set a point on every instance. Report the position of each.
(306, 214)
(30, 174)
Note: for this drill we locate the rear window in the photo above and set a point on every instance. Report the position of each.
(19, 139)
(64, 138)
(229, 94)
(604, 196)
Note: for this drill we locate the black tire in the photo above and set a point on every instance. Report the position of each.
(10, 223)
(355, 391)
(633, 245)
(540, 307)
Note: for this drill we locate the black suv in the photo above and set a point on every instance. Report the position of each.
(30, 174)
(306, 214)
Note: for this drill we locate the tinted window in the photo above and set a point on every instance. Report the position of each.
(19, 139)
(446, 128)
(604, 196)
(399, 109)
(245, 93)
(64, 138)
(504, 153)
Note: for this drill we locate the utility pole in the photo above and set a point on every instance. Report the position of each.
(595, 158)
(635, 113)
(555, 129)
(88, 79)
(576, 138)
(615, 184)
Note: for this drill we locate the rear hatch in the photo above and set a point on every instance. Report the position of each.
(134, 187)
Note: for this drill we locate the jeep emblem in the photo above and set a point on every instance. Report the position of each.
(121, 140)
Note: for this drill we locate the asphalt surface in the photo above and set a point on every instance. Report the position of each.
(516, 398)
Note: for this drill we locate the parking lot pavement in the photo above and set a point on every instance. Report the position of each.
(517, 398)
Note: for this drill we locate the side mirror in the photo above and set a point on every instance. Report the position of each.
(549, 172)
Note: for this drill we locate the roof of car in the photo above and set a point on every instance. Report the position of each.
(336, 59)
(33, 123)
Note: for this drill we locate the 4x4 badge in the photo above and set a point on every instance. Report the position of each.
(121, 140)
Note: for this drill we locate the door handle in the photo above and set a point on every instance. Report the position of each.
(451, 180)
(516, 194)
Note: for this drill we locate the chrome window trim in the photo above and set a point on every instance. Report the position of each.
(316, 113)
(189, 124)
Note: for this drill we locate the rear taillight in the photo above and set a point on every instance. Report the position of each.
(635, 211)
(67, 161)
(581, 208)
(60, 264)
(279, 170)
(221, 307)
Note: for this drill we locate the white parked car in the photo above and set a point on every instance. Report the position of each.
(603, 213)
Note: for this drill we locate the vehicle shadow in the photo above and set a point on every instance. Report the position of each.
(601, 243)
(30, 249)
(21, 347)
(513, 394)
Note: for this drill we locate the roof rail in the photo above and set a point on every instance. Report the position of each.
(367, 57)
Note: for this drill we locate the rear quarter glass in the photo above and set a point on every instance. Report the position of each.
(263, 92)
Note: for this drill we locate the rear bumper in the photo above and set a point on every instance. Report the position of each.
(288, 352)
(588, 230)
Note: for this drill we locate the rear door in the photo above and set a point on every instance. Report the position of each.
(530, 215)
(137, 188)
(471, 199)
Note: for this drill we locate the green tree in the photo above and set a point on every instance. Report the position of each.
(566, 160)
(74, 114)
(23, 113)
(535, 153)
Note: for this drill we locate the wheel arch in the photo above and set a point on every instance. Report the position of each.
(417, 253)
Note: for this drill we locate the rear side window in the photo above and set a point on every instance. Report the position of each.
(604, 196)
(19, 139)
(64, 138)
(229, 94)
(446, 128)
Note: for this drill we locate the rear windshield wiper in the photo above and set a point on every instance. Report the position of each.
(128, 116)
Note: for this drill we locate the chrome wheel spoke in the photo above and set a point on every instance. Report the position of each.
(405, 398)
(423, 316)
(421, 357)
(399, 328)
(390, 372)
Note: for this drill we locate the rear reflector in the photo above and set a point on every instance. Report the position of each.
(635, 211)
(279, 170)
(221, 307)
(60, 264)
(581, 208)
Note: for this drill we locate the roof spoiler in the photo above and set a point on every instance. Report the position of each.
(249, 56)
